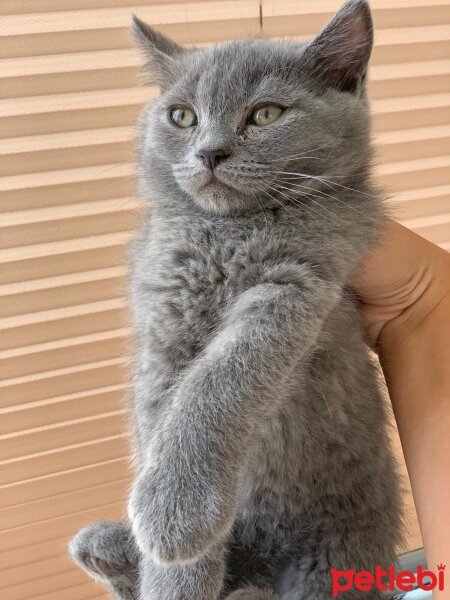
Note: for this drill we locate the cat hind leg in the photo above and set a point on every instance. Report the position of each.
(108, 553)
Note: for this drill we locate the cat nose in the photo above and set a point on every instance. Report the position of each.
(211, 158)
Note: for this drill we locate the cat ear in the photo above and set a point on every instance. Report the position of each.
(340, 53)
(159, 52)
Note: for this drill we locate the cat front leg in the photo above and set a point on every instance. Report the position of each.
(186, 496)
(177, 506)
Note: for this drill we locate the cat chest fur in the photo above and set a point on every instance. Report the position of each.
(182, 293)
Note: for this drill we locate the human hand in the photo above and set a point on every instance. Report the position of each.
(400, 281)
(404, 291)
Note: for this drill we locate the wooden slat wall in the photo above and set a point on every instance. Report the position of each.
(68, 102)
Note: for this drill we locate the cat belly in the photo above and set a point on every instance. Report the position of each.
(329, 439)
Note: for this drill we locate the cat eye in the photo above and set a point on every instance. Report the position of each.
(183, 117)
(265, 115)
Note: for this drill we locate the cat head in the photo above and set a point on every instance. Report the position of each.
(251, 123)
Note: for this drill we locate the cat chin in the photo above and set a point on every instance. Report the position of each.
(219, 198)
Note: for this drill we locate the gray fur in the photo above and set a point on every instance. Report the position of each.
(261, 442)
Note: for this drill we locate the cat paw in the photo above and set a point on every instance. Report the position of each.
(176, 518)
(106, 550)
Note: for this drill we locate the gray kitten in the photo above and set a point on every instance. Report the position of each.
(262, 452)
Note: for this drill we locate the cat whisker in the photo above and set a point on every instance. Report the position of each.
(323, 395)
(322, 193)
(290, 198)
(116, 166)
(308, 207)
(310, 198)
(261, 208)
(297, 203)
(325, 180)
(294, 156)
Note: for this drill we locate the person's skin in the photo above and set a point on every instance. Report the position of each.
(404, 288)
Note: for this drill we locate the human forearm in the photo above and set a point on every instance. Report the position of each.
(414, 351)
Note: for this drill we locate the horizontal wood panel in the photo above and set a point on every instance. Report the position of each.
(68, 380)
(63, 353)
(37, 570)
(44, 260)
(158, 14)
(398, 45)
(69, 228)
(54, 151)
(68, 31)
(40, 570)
(46, 326)
(36, 440)
(56, 506)
(57, 581)
(422, 202)
(436, 227)
(402, 113)
(60, 291)
(88, 110)
(292, 18)
(57, 528)
(17, 7)
(52, 461)
(60, 187)
(47, 412)
(63, 482)
(407, 175)
(410, 144)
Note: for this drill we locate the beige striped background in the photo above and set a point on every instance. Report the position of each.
(68, 101)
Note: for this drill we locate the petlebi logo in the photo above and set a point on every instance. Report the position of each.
(387, 580)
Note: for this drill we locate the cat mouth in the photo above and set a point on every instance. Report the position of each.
(215, 180)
